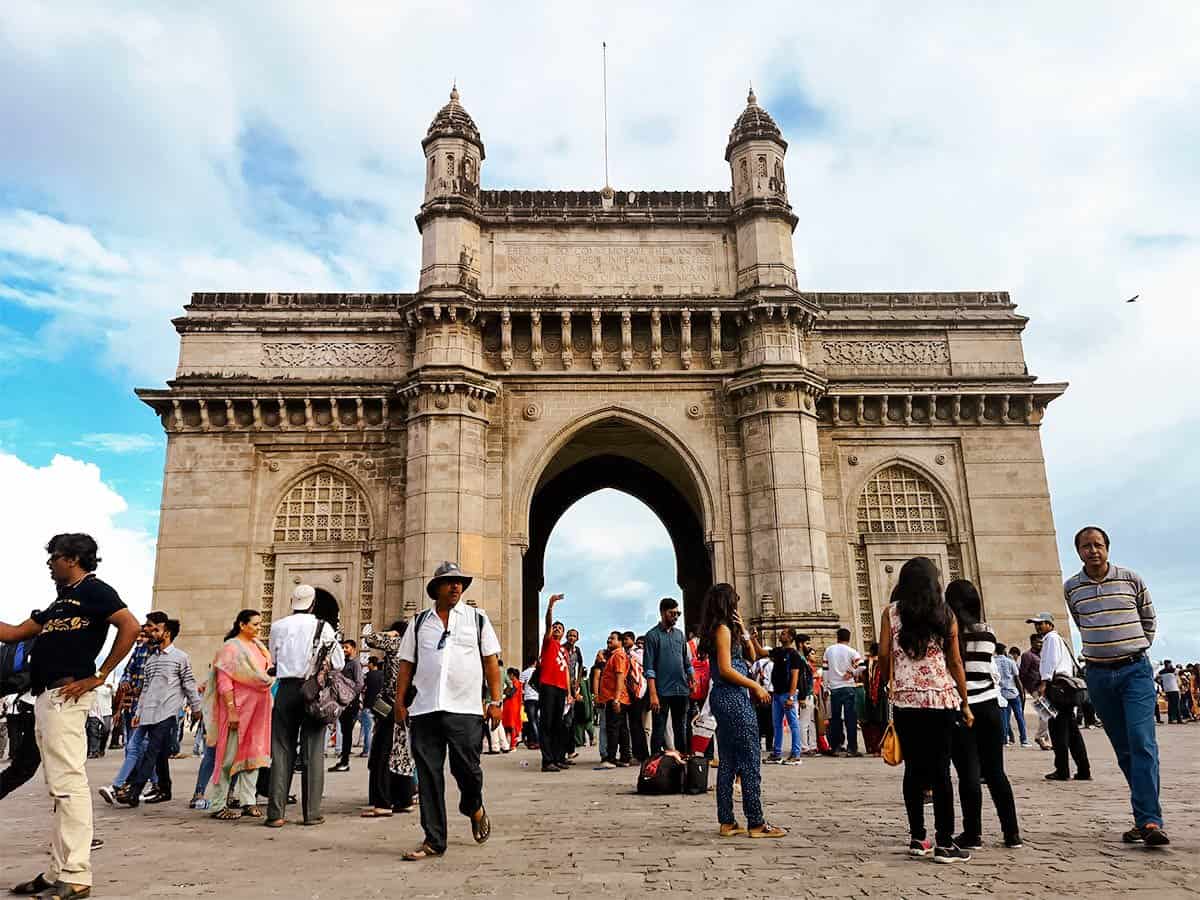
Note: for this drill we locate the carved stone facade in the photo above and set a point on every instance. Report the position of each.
(799, 445)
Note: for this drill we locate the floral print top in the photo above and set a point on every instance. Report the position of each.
(920, 683)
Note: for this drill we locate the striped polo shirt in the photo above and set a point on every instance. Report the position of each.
(979, 649)
(1115, 615)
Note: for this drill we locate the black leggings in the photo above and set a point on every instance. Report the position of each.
(980, 750)
(925, 741)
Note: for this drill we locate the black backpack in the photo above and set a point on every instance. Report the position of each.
(661, 774)
(14, 667)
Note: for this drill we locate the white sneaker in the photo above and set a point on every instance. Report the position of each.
(1027, 746)
(793, 761)
(107, 794)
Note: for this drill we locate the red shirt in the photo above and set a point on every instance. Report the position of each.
(553, 664)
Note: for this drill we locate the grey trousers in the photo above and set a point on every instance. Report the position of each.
(289, 723)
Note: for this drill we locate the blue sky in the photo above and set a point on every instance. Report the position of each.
(150, 152)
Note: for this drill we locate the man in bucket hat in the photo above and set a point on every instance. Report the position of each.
(445, 655)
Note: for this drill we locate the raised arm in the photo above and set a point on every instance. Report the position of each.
(554, 598)
(723, 639)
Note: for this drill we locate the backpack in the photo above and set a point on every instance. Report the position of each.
(634, 679)
(700, 668)
(326, 692)
(661, 774)
(14, 667)
(695, 779)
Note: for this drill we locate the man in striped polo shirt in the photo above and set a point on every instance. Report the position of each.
(1113, 611)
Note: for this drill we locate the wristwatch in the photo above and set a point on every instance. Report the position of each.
(499, 703)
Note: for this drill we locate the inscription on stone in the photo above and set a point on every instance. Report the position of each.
(886, 353)
(610, 265)
(335, 355)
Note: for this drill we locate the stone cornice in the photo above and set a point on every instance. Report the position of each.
(541, 208)
(448, 380)
(932, 404)
(250, 408)
(776, 378)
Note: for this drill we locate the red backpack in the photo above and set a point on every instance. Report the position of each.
(700, 669)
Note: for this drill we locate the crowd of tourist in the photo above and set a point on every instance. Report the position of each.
(434, 690)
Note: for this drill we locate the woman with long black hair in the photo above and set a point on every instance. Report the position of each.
(724, 637)
(918, 643)
(979, 751)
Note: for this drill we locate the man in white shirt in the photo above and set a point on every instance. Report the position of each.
(445, 655)
(295, 643)
(842, 662)
(1057, 660)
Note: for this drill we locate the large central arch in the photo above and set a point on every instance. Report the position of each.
(617, 451)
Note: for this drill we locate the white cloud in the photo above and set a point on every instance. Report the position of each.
(46, 239)
(66, 495)
(120, 443)
(628, 590)
(606, 528)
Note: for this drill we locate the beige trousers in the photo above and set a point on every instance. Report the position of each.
(60, 731)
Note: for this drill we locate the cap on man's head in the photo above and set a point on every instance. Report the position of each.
(303, 597)
(1041, 617)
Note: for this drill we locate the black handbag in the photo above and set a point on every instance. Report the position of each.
(695, 778)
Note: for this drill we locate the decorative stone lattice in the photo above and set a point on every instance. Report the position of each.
(886, 353)
(900, 501)
(862, 586)
(267, 600)
(334, 355)
(323, 507)
(366, 592)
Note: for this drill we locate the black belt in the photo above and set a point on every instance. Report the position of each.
(1115, 663)
(61, 682)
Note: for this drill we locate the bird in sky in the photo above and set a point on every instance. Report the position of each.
(1133, 299)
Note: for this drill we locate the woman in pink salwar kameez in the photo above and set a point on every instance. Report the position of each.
(237, 716)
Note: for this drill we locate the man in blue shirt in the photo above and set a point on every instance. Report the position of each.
(669, 677)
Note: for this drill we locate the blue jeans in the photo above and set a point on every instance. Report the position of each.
(778, 711)
(1015, 708)
(1124, 700)
(135, 745)
(207, 763)
(843, 717)
(366, 720)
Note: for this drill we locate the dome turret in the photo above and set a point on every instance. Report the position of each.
(453, 120)
(755, 123)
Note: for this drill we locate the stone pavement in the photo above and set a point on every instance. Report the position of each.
(586, 834)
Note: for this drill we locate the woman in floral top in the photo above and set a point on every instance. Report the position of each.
(387, 792)
(919, 641)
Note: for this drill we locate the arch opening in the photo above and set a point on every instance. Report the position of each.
(616, 453)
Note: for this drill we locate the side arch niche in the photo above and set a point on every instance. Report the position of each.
(321, 534)
(618, 452)
(900, 513)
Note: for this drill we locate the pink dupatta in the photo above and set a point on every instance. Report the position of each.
(241, 667)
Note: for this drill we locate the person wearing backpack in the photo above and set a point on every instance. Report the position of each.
(71, 633)
(445, 655)
(295, 644)
(636, 708)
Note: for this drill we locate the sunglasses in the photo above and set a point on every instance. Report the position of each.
(441, 644)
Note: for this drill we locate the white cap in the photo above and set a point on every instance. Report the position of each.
(303, 597)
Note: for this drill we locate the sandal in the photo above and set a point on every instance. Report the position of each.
(372, 813)
(254, 812)
(422, 852)
(766, 830)
(64, 891)
(731, 830)
(226, 815)
(481, 828)
(33, 886)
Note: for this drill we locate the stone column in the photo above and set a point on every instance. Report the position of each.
(789, 557)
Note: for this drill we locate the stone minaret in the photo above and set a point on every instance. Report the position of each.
(448, 218)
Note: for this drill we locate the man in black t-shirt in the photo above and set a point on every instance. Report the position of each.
(71, 634)
(785, 698)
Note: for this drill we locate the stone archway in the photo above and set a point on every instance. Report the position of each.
(617, 453)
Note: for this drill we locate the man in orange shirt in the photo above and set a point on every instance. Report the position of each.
(614, 696)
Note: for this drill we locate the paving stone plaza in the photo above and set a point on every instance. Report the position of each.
(587, 834)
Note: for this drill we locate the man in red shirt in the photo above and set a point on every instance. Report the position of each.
(614, 697)
(553, 685)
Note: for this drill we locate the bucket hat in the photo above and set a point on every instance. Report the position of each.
(447, 571)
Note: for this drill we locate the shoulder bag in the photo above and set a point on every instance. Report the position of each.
(326, 692)
(889, 748)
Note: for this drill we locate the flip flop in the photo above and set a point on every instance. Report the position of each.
(421, 853)
(254, 812)
(732, 832)
(225, 815)
(481, 829)
(373, 813)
